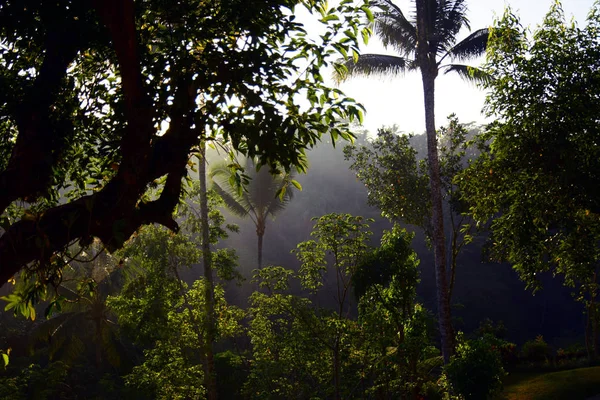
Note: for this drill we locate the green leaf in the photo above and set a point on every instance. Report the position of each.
(5, 358)
(365, 35)
(330, 17)
(296, 184)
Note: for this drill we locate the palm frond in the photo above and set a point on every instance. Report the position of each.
(468, 73)
(450, 18)
(231, 202)
(59, 333)
(393, 28)
(279, 203)
(262, 187)
(374, 64)
(265, 188)
(425, 367)
(472, 46)
(235, 202)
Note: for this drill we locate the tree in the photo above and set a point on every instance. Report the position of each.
(299, 349)
(393, 327)
(397, 182)
(423, 44)
(340, 243)
(176, 324)
(209, 290)
(88, 86)
(265, 195)
(291, 345)
(536, 187)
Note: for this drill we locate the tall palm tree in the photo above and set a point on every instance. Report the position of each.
(424, 44)
(259, 199)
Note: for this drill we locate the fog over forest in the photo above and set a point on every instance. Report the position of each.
(483, 289)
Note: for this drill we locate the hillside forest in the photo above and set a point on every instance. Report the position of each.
(190, 207)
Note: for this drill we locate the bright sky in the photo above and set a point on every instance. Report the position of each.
(399, 100)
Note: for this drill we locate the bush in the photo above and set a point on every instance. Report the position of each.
(476, 371)
(506, 350)
(536, 351)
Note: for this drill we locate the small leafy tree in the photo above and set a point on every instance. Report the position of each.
(290, 343)
(340, 242)
(395, 331)
(299, 349)
(172, 367)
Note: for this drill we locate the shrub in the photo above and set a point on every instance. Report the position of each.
(506, 350)
(536, 351)
(476, 371)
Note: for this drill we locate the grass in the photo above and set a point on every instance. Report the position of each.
(574, 384)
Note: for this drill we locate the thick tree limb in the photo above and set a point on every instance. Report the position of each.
(114, 213)
(38, 145)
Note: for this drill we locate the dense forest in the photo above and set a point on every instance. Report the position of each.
(189, 210)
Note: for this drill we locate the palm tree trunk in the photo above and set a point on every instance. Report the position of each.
(210, 378)
(437, 218)
(260, 246)
(429, 70)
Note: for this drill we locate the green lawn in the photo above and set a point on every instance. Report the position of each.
(575, 384)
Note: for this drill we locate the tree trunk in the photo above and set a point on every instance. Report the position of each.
(336, 369)
(260, 233)
(428, 67)
(210, 378)
(437, 218)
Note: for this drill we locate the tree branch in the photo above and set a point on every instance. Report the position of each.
(38, 145)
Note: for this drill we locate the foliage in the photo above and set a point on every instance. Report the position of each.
(57, 380)
(539, 180)
(395, 332)
(343, 238)
(536, 351)
(537, 186)
(393, 264)
(488, 327)
(300, 350)
(103, 99)
(159, 313)
(290, 350)
(172, 367)
(476, 371)
(397, 182)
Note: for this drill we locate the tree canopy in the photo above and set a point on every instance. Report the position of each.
(101, 100)
(538, 184)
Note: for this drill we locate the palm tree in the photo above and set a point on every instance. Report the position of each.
(266, 195)
(424, 44)
(84, 317)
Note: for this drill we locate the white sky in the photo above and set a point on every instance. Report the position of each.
(399, 100)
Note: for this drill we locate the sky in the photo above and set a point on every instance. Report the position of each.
(399, 100)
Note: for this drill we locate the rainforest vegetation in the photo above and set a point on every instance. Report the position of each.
(190, 207)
